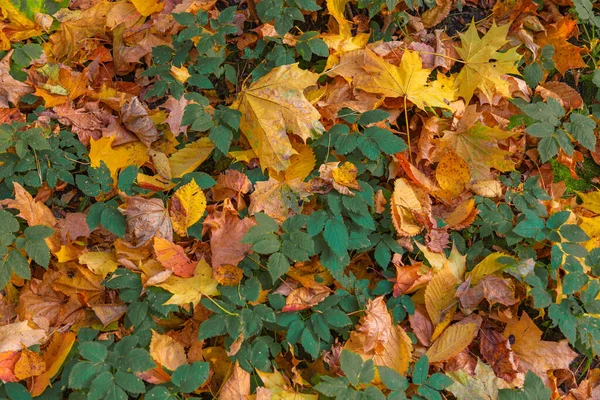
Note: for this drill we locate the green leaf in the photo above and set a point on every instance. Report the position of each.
(548, 148)
(17, 391)
(38, 232)
(421, 370)
(212, 327)
(336, 236)
(114, 221)
(138, 360)
(19, 264)
(310, 343)
(82, 374)
(221, 136)
(582, 128)
(8, 223)
(562, 316)
(392, 379)
(336, 318)
(93, 351)
(351, 364)
(190, 377)
(439, 381)
(574, 233)
(373, 116)
(332, 387)
(533, 389)
(160, 393)
(38, 251)
(278, 265)
(316, 222)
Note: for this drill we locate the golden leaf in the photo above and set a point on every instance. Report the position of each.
(30, 364)
(187, 207)
(191, 290)
(277, 386)
(410, 204)
(237, 386)
(228, 275)
(166, 351)
(99, 262)
(484, 65)
(408, 80)
(147, 7)
(487, 266)
(116, 158)
(190, 157)
(454, 340)
(452, 174)
(273, 106)
(378, 339)
(439, 295)
(14, 336)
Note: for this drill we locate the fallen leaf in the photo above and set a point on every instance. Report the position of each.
(30, 364)
(484, 385)
(277, 386)
(116, 158)
(453, 340)
(279, 200)
(237, 386)
(136, 119)
(166, 351)
(187, 207)
(439, 295)
(378, 339)
(146, 219)
(497, 351)
(228, 275)
(173, 257)
(342, 178)
(14, 336)
(452, 174)
(11, 90)
(410, 207)
(191, 290)
(534, 354)
(304, 298)
(147, 7)
(273, 106)
(190, 157)
(485, 67)
(408, 80)
(54, 356)
(226, 233)
(566, 55)
(99, 262)
(8, 360)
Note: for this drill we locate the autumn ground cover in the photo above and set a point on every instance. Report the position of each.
(299, 199)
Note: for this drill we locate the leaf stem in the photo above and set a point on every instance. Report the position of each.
(221, 308)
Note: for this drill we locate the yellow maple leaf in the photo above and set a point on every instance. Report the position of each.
(187, 207)
(273, 106)
(408, 80)
(191, 290)
(480, 72)
(116, 158)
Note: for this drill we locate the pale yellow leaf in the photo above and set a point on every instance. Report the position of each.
(166, 351)
(237, 386)
(190, 157)
(487, 266)
(14, 336)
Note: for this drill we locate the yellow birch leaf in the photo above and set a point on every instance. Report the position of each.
(408, 80)
(190, 157)
(409, 201)
(99, 262)
(454, 340)
(116, 158)
(452, 174)
(166, 351)
(191, 290)
(591, 201)
(147, 7)
(439, 295)
(273, 106)
(54, 356)
(487, 266)
(30, 364)
(187, 207)
(485, 67)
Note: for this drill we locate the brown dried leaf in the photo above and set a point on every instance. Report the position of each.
(146, 219)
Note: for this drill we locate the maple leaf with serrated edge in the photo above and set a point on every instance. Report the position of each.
(484, 65)
(273, 106)
(477, 144)
(408, 80)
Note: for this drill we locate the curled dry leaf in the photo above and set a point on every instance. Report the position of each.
(305, 297)
(410, 278)
(136, 119)
(410, 207)
(187, 207)
(173, 257)
(11, 90)
(231, 184)
(378, 339)
(342, 178)
(146, 219)
(496, 350)
(54, 357)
